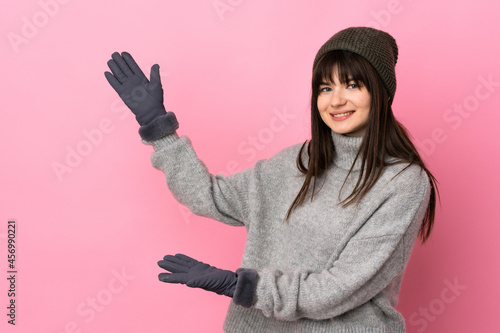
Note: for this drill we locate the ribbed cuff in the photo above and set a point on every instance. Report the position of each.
(162, 142)
(159, 127)
(246, 286)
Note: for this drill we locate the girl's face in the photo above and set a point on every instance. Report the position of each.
(344, 107)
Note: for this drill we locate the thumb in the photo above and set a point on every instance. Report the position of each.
(173, 278)
(155, 75)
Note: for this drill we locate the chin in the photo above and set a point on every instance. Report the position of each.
(349, 132)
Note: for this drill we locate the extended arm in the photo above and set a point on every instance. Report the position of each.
(218, 197)
(370, 259)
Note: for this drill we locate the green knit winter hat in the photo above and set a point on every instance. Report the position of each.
(376, 46)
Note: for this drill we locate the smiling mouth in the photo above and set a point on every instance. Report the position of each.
(343, 114)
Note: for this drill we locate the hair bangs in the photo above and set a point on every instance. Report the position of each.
(347, 65)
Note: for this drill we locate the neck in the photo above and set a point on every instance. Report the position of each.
(346, 148)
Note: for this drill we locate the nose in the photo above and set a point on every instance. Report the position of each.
(338, 98)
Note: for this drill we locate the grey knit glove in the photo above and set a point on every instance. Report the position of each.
(240, 286)
(143, 97)
(196, 274)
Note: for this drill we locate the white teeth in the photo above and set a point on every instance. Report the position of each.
(343, 114)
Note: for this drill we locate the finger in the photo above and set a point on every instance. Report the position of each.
(112, 80)
(117, 72)
(173, 266)
(173, 278)
(168, 257)
(123, 65)
(174, 259)
(184, 261)
(190, 262)
(155, 75)
(132, 64)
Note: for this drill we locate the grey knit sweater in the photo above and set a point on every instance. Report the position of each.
(330, 269)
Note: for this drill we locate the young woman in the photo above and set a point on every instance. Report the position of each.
(331, 223)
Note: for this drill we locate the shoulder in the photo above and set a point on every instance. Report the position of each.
(406, 179)
(399, 199)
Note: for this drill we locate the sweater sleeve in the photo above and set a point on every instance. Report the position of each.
(373, 252)
(218, 197)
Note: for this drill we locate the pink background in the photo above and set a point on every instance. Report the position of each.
(230, 68)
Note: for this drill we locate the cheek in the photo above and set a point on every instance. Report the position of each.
(367, 100)
(321, 103)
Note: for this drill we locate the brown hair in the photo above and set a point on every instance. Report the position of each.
(384, 136)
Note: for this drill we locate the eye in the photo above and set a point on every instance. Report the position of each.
(325, 89)
(352, 86)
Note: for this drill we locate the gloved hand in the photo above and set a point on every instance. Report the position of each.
(142, 96)
(196, 274)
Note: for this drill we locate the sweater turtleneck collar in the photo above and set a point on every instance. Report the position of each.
(346, 148)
